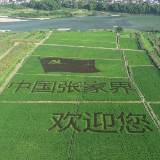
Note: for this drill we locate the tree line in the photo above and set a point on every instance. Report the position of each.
(93, 5)
(131, 8)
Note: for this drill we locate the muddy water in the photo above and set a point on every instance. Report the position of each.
(138, 22)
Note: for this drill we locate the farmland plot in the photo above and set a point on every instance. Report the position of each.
(103, 125)
(4, 46)
(148, 80)
(82, 43)
(23, 137)
(68, 88)
(8, 63)
(128, 43)
(64, 52)
(137, 58)
(79, 103)
(106, 39)
(74, 66)
(89, 36)
(156, 109)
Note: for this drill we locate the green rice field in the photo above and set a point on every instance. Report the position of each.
(156, 108)
(137, 58)
(148, 80)
(128, 43)
(69, 101)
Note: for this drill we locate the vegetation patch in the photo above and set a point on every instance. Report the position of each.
(4, 46)
(86, 36)
(109, 89)
(156, 109)
(148, 80)
(81, 43)
(43, 88)
(147, 43)
(64, 52)
(137, 58)
(128, 43)
(108, 68)
(9, 62)
(27, 131)
(111, 126)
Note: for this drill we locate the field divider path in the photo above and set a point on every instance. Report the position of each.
(72, 139)
(81, 40)
(69, 75)
(7, 52)
(19, 65)
(154, 102)
(71, 101)
(78, 46)
(90, 47)
(79, 58)
(140, 65)
(146, 105)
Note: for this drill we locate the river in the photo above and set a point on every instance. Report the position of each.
(138, 22)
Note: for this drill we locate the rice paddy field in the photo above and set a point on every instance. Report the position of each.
(73, 97)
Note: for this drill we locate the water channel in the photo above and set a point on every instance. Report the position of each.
(106, 21)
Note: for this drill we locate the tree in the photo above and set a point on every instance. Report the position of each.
(119, 29)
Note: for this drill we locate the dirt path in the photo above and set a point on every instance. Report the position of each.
(6, 53)
(69, 75)
(90, 47)
(139, 65)
(154, 102)
(71, 102)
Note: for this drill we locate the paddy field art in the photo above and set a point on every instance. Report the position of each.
(77, 96)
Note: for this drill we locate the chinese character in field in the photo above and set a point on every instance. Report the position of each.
(44, 86)
(70, 88)
(107, 121)
(134, 123)
(19, 85)
(72, 121)
(94, 87)
(54, 62)
(116, 85)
